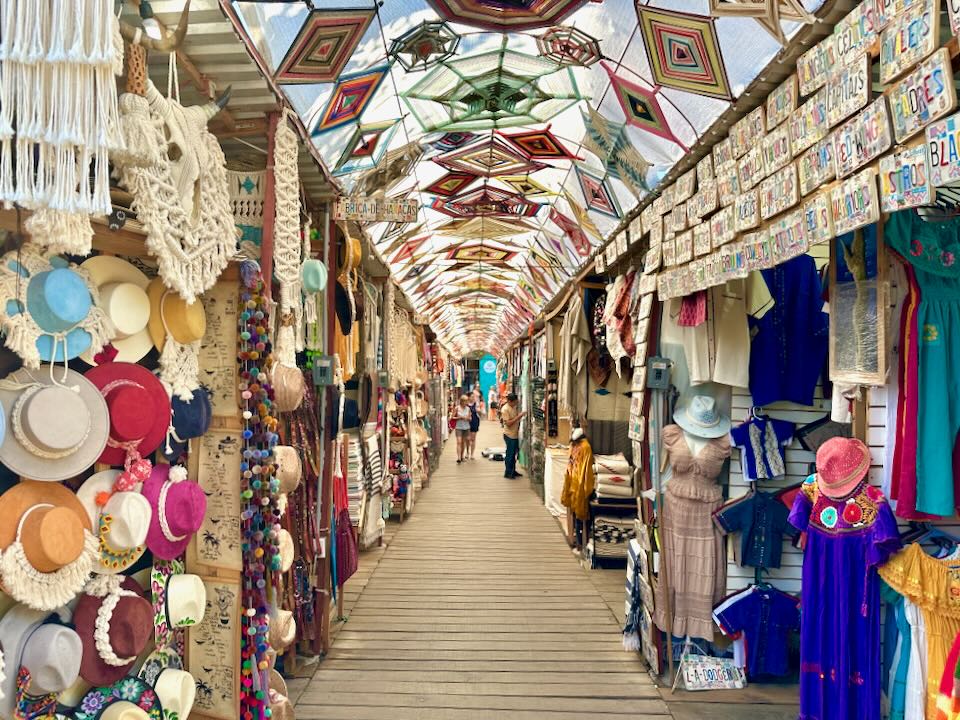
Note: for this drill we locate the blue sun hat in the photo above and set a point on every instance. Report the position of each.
(313, 276)
(189, 419)
(50, 312)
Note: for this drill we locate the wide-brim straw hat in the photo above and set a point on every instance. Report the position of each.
(288, 467)
(289, 387)
(283, 630)
(171, 314)
(286, 550)
(123, 297)
(58, 420)
(842, 464)
(700, 416)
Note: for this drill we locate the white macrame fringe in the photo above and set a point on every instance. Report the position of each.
(140, 139)
(61, 232)
(180, 367)
(46, 591)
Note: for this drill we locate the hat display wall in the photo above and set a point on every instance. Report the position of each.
(120, 519)
(115, 623)
(49, 309)
(189, 419)
(47, 549)
(842, 464)
(58, 421)
(129, 698)
(176, 328)
(139, 410)
(123, 297)
(700, 416)
(179, 506)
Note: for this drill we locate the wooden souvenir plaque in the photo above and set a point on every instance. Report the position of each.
(905, 180)
(782, 102)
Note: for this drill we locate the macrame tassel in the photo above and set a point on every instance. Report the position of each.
(631, 641)
(61, 232)
(180, 367)
(283, 347)
(46, 591)
(97, 323)
(139, 139)
(118, 47)
(19, 338)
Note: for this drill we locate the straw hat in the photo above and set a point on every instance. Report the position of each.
(283, 630)
(171, 315)
(184, 600)
(59, 423)
(47, 548)
(139, 409)
(277, 683)
(699, 416)
(115, 622)
(289, 387)
(157, 661)
(288, 469)
(121, 519)
(179, 506)
(842, 464)
(123, 297)
(313, 276)
(287, 551)
(280, 707)
(176, 690)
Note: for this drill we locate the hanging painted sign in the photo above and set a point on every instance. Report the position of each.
(703, 202)
(854, 202)
(905, 180)
(779, 192)
(814, 65)
(669, 196)
(855, 33)
(363, 209)
(610, 252)
(723, 227)
(704, 170)
(943, 139)
(924, 95)
(600, 263)
(684, 245)
(816, 166)
(635, 230)
(751, 168)
(669, 252)
(809, 123)
(648, 217)
(908, 39)
(818, 218)
(701, 239)
(953, 12)
(723, 152)
(782, 102)
(788, 236)
(621, 244)
(862, 138)
(678, 218)
(656, 231)
(747, 131)
(848, 90)
(728, 184)
(685, 186)
(776, 150)
(756, 251)
(888, 9)
(659, 205)
(652, 260)
(747, 210)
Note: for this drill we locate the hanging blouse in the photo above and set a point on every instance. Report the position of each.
(762, 521)
(762, 442)
(766, 617)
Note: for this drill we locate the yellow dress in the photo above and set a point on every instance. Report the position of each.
(579, 480)
(933, 586)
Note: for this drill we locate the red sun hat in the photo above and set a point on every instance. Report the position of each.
(114, 621)
(179, 506)
(842, 463)
(139, 408)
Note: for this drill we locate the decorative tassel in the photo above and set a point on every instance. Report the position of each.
(631, 641)
(139, 137)
(180, 367)
(61, 232)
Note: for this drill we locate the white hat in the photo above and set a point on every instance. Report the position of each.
(123, 710)
(52, 655)
(123, 297)
(120, 519)
(176, 690)
(286, 550)
(186, 600)
(700, 416)
(16, 626)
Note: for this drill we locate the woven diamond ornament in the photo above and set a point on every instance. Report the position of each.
(424, 46)
(481, 253)
(505, 15)
(527, 186)
(367, 147)
(683, 51)
(450, 184)
(569, 46)
(323, 46)
(641, 107)
(490, 157)
(768, 13)
(351, 96)
(540, 145)
(487, 201)
(609, 141)
(598, 194)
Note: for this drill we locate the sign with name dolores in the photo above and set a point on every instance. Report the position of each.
(926, 94)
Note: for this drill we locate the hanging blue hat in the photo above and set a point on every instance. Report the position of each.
(190, 419)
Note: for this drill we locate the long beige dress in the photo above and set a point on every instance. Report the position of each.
(692, 546)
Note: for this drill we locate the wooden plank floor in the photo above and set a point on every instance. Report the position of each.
(477, 609)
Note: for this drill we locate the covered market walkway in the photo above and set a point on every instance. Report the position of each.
(478, 609)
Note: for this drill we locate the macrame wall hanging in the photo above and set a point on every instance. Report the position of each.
(58, 115)
(287, 243)
(246, 200)
(184, 204)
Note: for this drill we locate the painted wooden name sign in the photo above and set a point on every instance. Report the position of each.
(756, 251)
(701, 239)
(943, 150)
(678, 218)
(908, 39)
(685, 185)
(905, 180)
(862, 138)
(953, 12)
(751, 167)
(815, 64)
(747, 210)
(848, 90)
(684, 245)
(809, 123)
(854, 202)
(648, 216)
(779, 192)
(723, 227)
(703, 202)
(723, 153)
(704, 170)
(855, 33)
(728, 184)
(782, 102)
(818, 218)
(669, 252)
(747, 131)
(816, 166)
(776, 150)
(788, 236)
(924, 95)
(364, 209)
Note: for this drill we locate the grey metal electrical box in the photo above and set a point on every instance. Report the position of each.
(658, 373)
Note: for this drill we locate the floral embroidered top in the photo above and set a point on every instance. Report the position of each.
(761, 442)
(929, 246)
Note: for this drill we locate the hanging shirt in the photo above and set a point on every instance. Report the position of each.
(761, 442)
(766, 617)
(896, 652)
(762, 520)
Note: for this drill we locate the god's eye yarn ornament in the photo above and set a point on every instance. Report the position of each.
(260, 519)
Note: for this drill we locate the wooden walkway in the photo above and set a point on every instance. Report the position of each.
(477, 609)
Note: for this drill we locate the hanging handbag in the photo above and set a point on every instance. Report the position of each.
(348, 555)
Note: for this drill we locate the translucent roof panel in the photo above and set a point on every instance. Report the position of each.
(525, 129)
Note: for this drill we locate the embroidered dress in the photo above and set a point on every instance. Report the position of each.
(761, 442)
(934, 586)
(692, 546)
(766, 617)
(840, 619)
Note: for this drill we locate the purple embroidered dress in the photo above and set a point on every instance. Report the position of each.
(840, 601)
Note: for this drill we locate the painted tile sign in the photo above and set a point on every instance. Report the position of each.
(848, 90)
(783, 101)
(809, 123)
(779, 192)
(953, 12)
(905, 180)
(943, 138)
(908, 39)
(818, 218)
(924, 95)
(854, 202)
(776, 150)
(816, 166)
(813, 66)
(862, 138)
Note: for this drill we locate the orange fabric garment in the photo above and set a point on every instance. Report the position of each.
(579, 480)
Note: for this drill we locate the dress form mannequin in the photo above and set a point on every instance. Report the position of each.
(695, 443)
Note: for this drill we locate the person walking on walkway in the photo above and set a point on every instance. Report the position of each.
(462, 427)
(474, 429)
(510, 418)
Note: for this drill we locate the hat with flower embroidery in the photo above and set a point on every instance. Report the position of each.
(120, 518)
(129, 698)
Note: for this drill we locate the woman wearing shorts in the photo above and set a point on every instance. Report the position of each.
(474, 429)
(462, 427)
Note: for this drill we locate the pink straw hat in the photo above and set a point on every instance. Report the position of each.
(842, 463)
(179, 506)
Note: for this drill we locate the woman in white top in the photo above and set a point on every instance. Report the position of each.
(462, 427)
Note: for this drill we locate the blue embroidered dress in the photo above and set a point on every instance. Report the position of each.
(847, 539)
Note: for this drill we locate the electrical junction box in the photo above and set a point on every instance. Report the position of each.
(323, 370)
(658, 373)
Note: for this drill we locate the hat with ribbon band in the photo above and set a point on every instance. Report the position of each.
(17, 626)
(842, 464)
(179, 506)
(49, 664)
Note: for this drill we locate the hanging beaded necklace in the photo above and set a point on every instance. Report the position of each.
(260, 520)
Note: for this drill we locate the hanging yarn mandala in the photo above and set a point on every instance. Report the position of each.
(193, 242)
(260, 518)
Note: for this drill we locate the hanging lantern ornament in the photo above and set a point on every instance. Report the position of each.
(424, 46)
(569, 46)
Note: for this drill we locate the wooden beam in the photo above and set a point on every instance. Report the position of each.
(250, 127)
